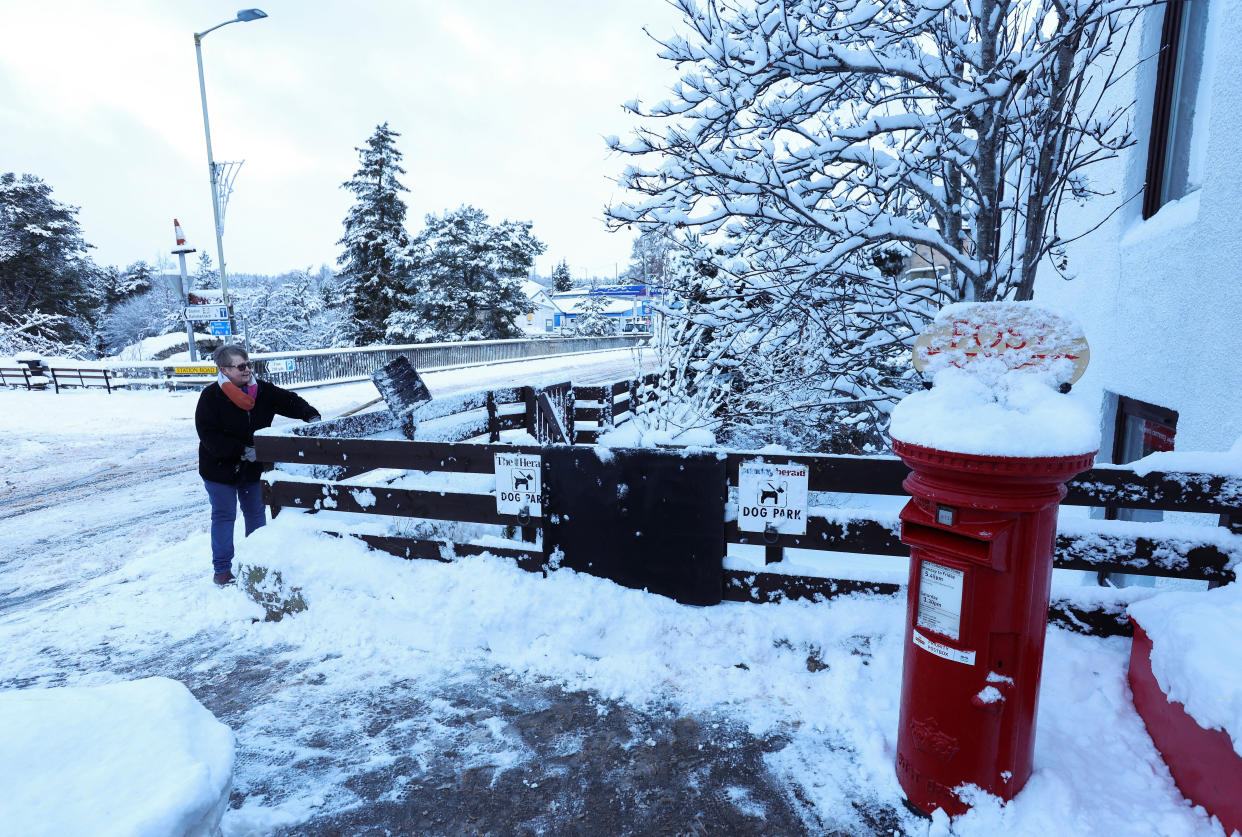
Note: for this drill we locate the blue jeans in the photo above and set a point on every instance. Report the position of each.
(224, 501)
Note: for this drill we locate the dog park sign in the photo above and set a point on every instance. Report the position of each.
(518, 489)
(772, 498)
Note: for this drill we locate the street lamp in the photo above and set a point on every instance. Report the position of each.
(244, 16)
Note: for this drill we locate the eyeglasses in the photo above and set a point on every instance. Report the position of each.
(242, 367)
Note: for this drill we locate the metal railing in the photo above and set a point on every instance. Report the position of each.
(320, 366)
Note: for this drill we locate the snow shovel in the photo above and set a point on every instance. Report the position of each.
(402, 390)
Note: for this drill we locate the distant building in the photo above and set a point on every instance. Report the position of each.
(631, 306)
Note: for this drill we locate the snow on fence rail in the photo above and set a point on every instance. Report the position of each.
(318, 366)
(446, 476)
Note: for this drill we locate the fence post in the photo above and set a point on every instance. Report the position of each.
(528, 400)
(493, 421)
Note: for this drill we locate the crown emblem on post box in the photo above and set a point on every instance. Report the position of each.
(930, 738)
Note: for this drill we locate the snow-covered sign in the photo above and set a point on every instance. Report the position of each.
(1003, 336)
(518, 484)
(772, 496)
(206, 312)
(282, 365)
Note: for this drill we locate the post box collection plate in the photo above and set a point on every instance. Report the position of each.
(940, 599)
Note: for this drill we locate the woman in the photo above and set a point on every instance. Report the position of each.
(228, 413)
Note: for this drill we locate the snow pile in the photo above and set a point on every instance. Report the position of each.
(1227, 464)
(1196, 645)
(997, 370)
(1014, 413)
(634, 434)
(136, 758)
(160, 347)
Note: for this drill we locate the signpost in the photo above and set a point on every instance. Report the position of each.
(182, 287)
(202, 313)
(1011, 335)
(221, 328)
(195, 369)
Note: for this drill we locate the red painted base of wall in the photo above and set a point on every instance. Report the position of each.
(1203, 763)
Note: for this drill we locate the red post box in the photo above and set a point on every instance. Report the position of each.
(981, 531)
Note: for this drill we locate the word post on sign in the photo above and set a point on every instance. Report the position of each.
(772, 497)
(518, 488)
(1012, 335)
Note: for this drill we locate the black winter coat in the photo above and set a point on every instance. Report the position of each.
(226, 430)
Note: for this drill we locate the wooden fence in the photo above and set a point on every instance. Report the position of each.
(445, 475)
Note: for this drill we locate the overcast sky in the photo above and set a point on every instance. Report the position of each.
(501, 104)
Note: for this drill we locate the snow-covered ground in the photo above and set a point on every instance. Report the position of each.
(472, 697)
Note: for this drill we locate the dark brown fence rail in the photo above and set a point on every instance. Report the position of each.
(566, 414)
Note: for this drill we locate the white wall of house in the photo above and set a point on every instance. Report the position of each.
(1161, 299)
(536, 323)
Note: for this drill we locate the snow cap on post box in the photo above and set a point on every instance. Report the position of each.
(997, 369)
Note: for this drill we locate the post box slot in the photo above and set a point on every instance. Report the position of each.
(916, 534)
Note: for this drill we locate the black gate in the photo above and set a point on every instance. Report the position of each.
(646, 519)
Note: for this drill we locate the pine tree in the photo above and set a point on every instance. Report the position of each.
(136, 279)
(466, 279)
(44, 267)
(591, 320)
(650, 256)
(561, 280)
(374, 265)
(205, 275)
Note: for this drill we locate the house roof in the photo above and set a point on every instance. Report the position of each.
(575, 304)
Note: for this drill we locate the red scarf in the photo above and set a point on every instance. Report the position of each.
(238, 396)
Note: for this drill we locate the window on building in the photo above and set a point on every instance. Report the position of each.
(547, 325)
(1141, 429)
(1180, 67)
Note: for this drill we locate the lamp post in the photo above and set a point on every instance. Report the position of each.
(244, 16)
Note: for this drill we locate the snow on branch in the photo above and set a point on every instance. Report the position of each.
(834, 171)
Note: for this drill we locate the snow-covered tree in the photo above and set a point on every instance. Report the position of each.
(810, 140)
(374, 265)
(562, 281)
(650, 257)
(149, 314)
(44, 266)
(205, 276)
(39, 333)
(959, 127)
(293, 311)
(136, 279)
(465, 279)
(590, 320)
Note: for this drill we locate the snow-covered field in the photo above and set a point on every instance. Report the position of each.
(472, 697)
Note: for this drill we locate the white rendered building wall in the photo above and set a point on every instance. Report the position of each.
(1161, 299)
